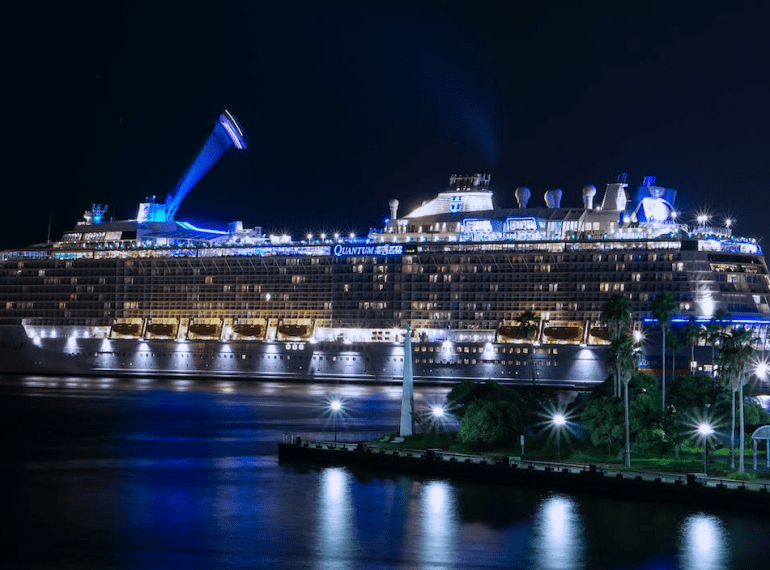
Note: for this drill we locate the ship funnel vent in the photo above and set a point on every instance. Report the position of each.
(553, 198)
(522, 194)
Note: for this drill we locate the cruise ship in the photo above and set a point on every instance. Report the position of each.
(153, 296)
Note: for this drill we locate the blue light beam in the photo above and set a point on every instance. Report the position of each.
(227, 133)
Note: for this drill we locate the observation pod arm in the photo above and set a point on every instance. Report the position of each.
(226, 134)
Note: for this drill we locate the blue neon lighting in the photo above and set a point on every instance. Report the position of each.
(98, 211)
(706, 320)
(189, 226)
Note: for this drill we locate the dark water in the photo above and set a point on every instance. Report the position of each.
(163, 474)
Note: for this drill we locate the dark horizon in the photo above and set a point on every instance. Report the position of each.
(349, 105)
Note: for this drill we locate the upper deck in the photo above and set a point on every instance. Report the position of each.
(462, 217)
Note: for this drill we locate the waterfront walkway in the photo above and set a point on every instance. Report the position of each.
(690, 487)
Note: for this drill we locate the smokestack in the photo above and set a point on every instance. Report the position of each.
(553, 198)
(522, 195)
(393, 209)
(589, 191)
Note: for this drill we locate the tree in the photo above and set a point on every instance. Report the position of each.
(735, 353)
(616, 314)
(674, 344)
(715, 330)
(688, 397)
(529, 322)
(528, 400)
(623, 355)
(663, 307)
(488, 423)
(604, 417)
(692, 334)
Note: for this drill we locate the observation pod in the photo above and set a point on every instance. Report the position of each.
(234, 130)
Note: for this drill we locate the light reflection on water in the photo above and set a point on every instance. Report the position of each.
(146, 472)
(558, 540)
(336, 538)
(703, 543)
(439, 525)
(436, 537)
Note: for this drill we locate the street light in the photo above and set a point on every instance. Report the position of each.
(705, 430)
(437, 412)
(558, 420)
(335, 406)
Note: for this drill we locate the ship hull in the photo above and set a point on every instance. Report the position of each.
(557, 366)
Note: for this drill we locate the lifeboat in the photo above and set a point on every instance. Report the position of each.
(601, 333)
(294, 330)
(564, 333)
(127, 329)
(511, 332)
(207, 330)
(249, 330)
(161, 330)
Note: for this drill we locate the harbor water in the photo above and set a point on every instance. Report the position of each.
(152, 473)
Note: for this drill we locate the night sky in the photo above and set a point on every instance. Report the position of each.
(349, 104)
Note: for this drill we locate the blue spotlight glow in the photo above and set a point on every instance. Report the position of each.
(227, 133)
(189, 226)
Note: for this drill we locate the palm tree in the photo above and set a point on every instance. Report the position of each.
(663, 307)
(616, 314)
(622, 356)
(715, 330)
(692, 334)
(674, 344)
(735, 353)
(529, 322)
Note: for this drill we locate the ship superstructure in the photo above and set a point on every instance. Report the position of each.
(156, 296)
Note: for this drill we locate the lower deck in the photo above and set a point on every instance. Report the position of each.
(563, 366)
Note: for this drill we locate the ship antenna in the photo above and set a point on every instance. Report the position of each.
(48, 236)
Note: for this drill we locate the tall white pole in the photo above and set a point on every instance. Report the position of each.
(407, 399)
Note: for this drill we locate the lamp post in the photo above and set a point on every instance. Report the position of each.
(335, 407)
(558, 420)
(705, 430)
(437, 412)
